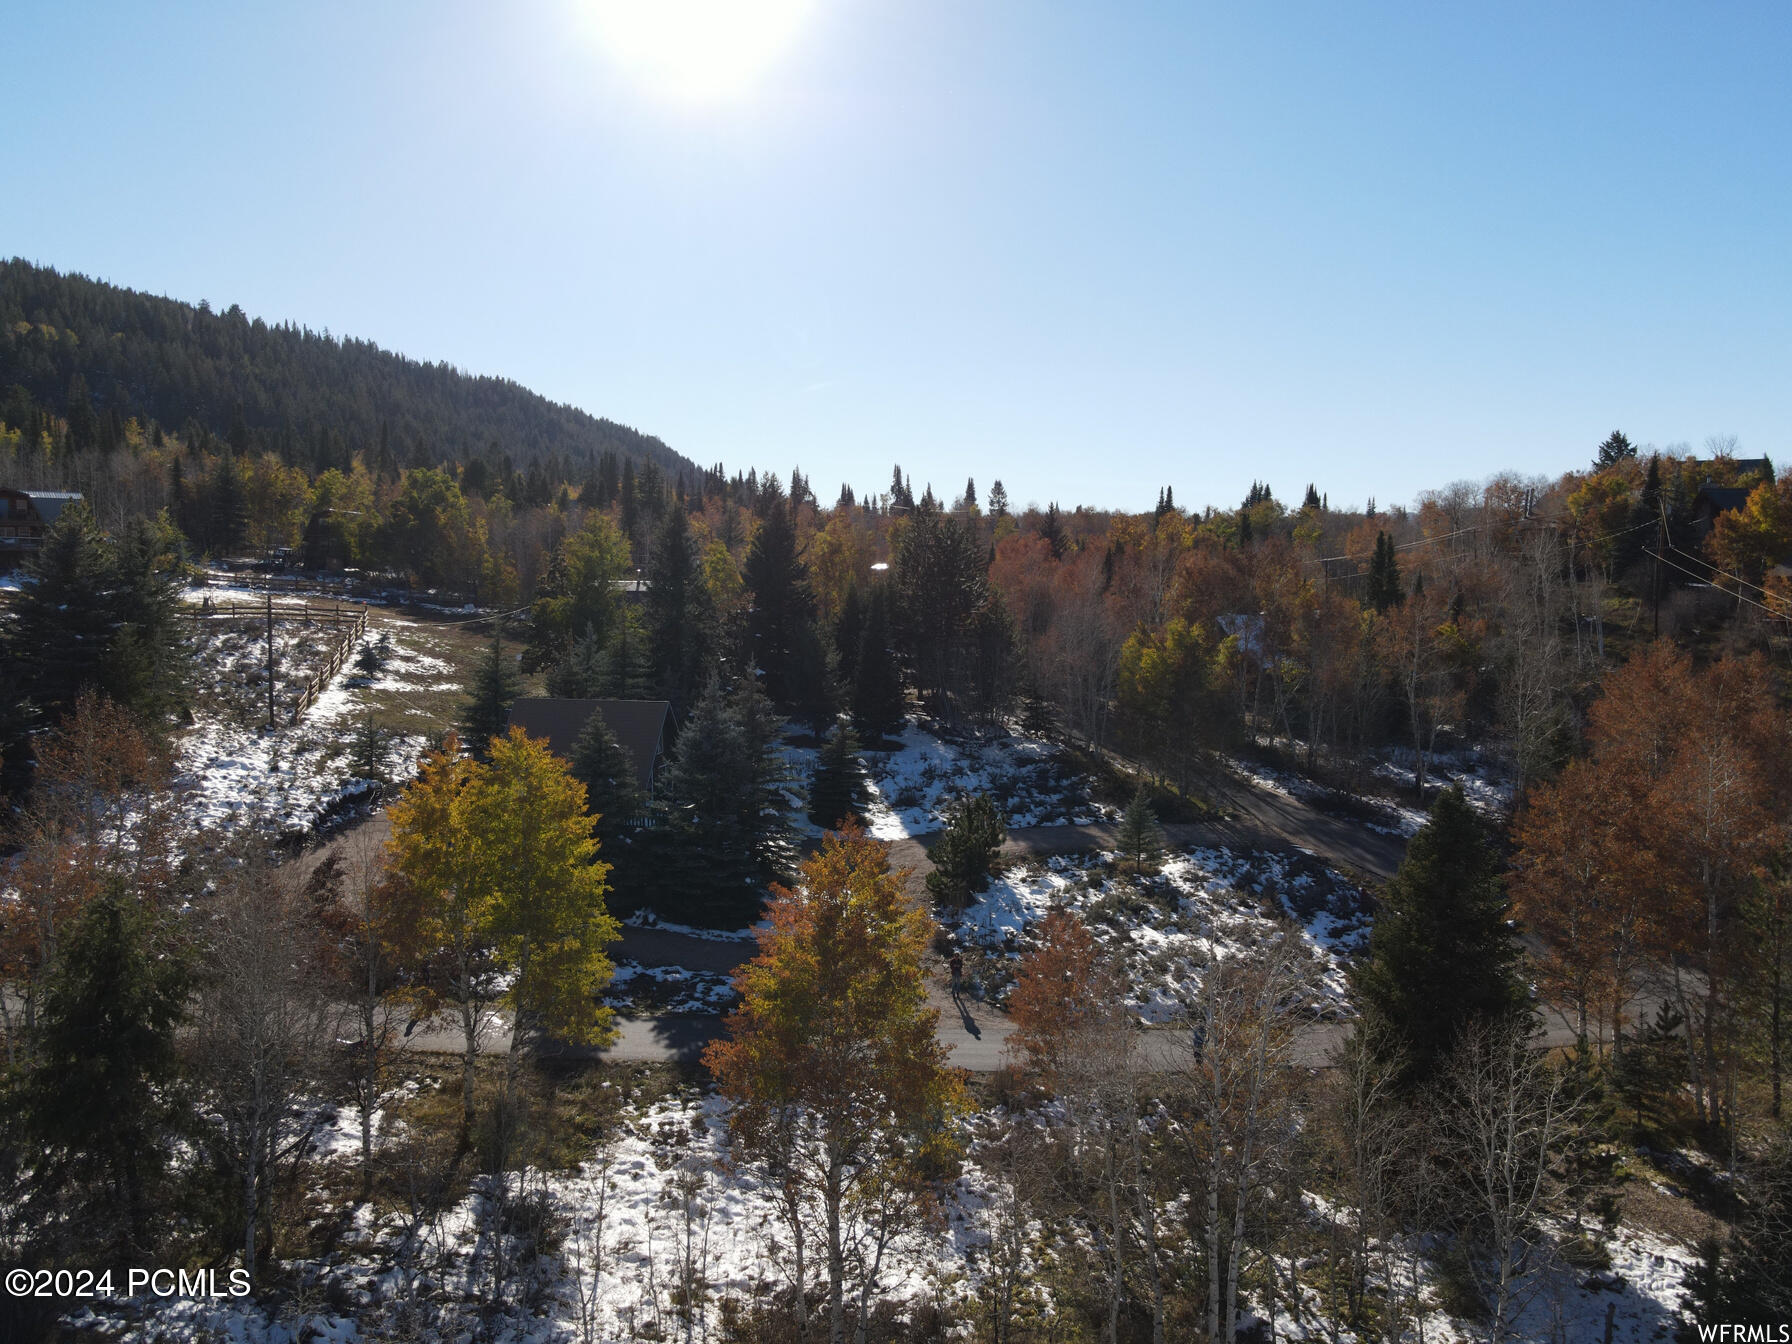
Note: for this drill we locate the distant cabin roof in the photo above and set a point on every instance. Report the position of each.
(1724, 497)
(48, 504)
(639, 726)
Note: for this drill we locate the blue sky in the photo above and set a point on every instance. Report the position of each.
(1089, 250)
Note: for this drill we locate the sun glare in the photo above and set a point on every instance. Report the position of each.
(697, 50)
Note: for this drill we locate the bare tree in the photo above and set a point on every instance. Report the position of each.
(1242, 1030)
(365, 944)
(1012, 1162)
(261, 1024)
(586, 1247)
(1370, 1134)
(1502, 1112)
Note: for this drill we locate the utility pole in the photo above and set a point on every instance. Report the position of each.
(1661, 546)
(270, 597)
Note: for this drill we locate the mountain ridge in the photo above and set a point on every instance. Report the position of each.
(281, 387)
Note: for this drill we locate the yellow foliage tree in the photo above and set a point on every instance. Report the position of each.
(507, 891)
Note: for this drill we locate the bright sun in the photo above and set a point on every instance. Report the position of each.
(697, 50)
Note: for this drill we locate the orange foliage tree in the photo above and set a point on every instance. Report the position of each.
(1676, 820)
(840, 1087)
(1065, 991)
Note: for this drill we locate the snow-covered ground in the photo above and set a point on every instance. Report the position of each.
(666, 1195)
(1485, 786)
(1202, 906)
(669, 989)
(1028, 778)
(233, 770)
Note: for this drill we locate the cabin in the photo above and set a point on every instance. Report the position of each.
(25, 516)
(640, 728)
(1713, 500)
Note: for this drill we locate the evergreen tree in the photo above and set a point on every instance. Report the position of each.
(1139, 838)
(878, 707)
(1651, 499)
(1052, 531)
(367, 751)
(723, 832)
(1746, 1281)
(968, 852)
(486, 713)
(581, 674)
(97, 615)
(62, 621)
(998, 500)
(148, 664)
(1383, 585)
(631, 503)
(98, 1101)
(612, 793)
(814, 684)
(678, 619)
(1614, 450)
(849, 629)
(1442, 955)
(837, 784)
(627, 661)
(1312, 498)
(782, 610)
(766, 799)
(229, 508)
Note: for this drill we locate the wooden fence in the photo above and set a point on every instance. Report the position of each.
(346, 625)
(354, 615)
(349, 628)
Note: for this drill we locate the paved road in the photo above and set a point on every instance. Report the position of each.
(1282, 821)
(976, 1033)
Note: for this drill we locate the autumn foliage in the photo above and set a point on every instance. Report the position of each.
(1651, 848)
(840, 1087)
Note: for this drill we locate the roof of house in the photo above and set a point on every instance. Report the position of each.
(1723, 497)
(639, 726)
(47, 504)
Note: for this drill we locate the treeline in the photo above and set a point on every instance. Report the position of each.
(97, 356)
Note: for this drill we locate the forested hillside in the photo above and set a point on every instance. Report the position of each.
(99, 355)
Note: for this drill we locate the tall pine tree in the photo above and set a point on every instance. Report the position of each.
(1384, 588)
(97, 1101)
(878, 707)
(722, 831)
(679, 621)
(487, 710)
(612, 793)
(1442, 955)
(782, 610)
(837, 784)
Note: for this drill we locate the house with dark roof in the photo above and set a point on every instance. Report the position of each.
(640, 727)
(1713, 500)
(25, 516)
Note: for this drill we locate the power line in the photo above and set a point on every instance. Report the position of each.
(1777, 615)
(1478, 527)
